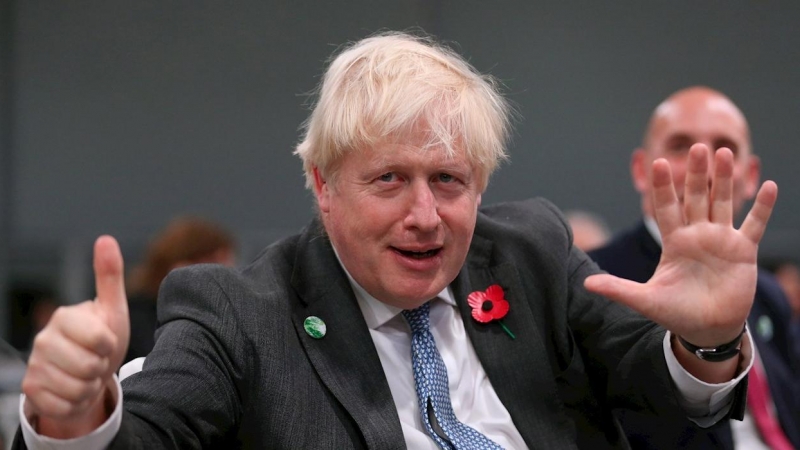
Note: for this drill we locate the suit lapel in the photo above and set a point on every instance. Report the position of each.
(518, 368)
(345, 358)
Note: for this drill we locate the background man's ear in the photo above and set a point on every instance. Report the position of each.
(640, 170)
(752, 177)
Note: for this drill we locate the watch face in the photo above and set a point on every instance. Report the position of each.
(705, 353)
(717, 355)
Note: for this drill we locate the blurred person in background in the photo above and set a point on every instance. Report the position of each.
(703, 115)
(12, 369)
(186, 240)
(589, 231)
(32, 304)
(787, 272)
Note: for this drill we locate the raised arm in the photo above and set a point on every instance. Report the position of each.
(703, 287)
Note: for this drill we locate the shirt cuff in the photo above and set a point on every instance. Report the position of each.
(706, 403)
(96, 440)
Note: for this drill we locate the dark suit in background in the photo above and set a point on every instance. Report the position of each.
(143, 314)
(634, 255)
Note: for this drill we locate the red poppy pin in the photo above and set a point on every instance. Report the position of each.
(490, 305)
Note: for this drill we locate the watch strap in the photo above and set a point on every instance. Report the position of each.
(719, 353)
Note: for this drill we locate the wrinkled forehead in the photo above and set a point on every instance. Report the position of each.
(418, 149)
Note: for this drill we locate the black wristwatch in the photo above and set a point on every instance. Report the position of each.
(719, 353)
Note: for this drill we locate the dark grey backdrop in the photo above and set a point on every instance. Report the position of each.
(114, 116)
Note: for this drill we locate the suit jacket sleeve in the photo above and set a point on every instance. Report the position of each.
(186, 395)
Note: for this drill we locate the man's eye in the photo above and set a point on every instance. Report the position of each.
(728, 144)
(446, 178)
(387, 177)
(680, 146)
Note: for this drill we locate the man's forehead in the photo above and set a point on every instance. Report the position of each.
(402, 153)
(711, 115)
(698, 106)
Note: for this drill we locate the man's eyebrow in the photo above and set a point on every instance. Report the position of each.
(725, 139)
(679, 136)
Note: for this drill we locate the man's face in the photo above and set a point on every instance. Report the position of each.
(696, 116)
(401, 219)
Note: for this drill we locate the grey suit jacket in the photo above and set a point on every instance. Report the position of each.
(233, 366)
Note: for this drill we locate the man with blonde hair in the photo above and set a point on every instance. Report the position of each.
(405, 316)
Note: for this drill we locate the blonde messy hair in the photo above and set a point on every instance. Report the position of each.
(396, 85)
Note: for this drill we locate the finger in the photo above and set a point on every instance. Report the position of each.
(756, 221)
(82, 324)
(665, 200)
(69, 356)
(49, 404)
(64, 385)
(109, 279)
(620, 290)
(722, 188)
(695, 197)
(46, 403)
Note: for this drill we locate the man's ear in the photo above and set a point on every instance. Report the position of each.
(321, 191)
(640, 170)
(752, 177)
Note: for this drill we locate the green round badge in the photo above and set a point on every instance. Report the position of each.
(764, 328)
(315, 327)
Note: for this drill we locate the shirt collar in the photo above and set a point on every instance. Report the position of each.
(652, 228)
(375, 312)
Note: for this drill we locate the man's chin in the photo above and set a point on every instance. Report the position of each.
(412, 298)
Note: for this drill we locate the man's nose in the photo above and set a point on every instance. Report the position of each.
(423, 211)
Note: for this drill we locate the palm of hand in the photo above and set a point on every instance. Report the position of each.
(704, 284)
(706, 278)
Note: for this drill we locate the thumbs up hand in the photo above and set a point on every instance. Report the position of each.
(74, 357)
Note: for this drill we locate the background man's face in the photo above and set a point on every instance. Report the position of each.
(696, 117)
(401, 219)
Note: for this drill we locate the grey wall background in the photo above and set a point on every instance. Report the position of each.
(115, 116)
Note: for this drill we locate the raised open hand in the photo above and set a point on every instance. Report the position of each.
(75, 355)
(704, 285)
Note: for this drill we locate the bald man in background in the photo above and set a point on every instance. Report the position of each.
(703, 115)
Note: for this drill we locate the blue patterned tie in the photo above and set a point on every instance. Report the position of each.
(430, 376)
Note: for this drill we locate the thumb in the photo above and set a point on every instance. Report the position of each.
(110, 287)
(620, 290)
(109, 278)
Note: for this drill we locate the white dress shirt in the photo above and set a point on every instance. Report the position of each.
(474, 399)
(475, 402)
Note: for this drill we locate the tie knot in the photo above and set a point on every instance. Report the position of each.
(419, 318)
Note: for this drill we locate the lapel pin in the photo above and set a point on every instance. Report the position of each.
(764, 328)
(315, 327)
(490, 305)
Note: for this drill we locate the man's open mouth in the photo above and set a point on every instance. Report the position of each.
(418, 255)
